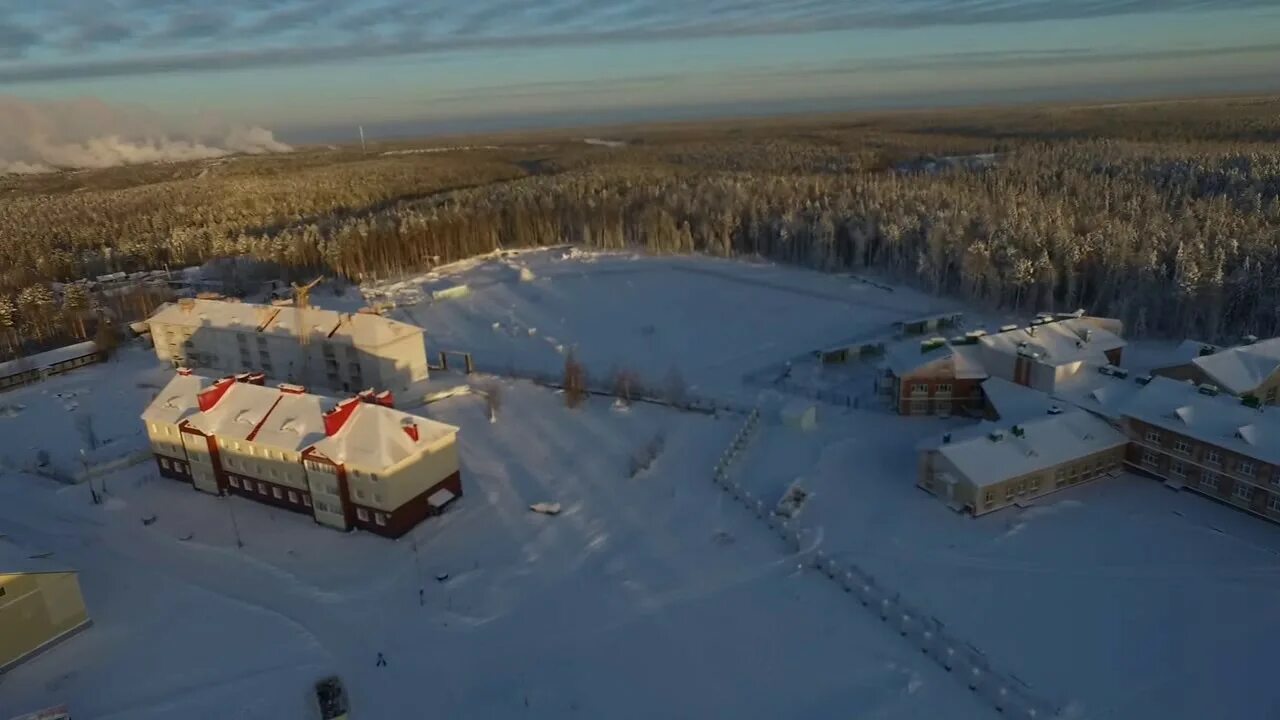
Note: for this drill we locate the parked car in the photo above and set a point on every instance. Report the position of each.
(332, 699)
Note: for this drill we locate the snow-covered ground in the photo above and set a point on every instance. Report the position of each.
(647, 596)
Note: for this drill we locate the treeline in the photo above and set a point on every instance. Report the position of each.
(1164, 215)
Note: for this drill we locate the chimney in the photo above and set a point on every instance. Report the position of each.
(257, 378)
(291, 389)
(184, 371)
(366, 396)
(210, 396)
(337, 417)
(385, 399)
(410, 428)
(242, 377)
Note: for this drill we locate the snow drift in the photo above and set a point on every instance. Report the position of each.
(48, 135)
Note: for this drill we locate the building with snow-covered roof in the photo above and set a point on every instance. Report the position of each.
(996, 465)
(943, 377)
(344, 352)
(36, 367)
(933, 377)
(353, 463)
(1052, 349)
(1194, 437)
(1252, 368)
(40, 604)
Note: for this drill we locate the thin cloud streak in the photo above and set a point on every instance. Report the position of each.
(269, 33)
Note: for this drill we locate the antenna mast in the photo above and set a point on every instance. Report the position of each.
(362, 148)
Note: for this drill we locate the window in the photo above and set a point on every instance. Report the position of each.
(275, 493)
(920, 387)
(373, 477)
(1153, 436)
(306, 500)
(1213, 457)
(234, 482)
(1182, 446)
(1210, 480)
(362, 514)
(293, 497)
(1244, 467)
(382, 518)
(164, 463)
(944, 387)
(262, 488)
(1150, 458)
(377, 497)
(1060, 477)
(1008, 493)
(990, 498)
(1022, 487)
(1035, 484)
(1273, 503)
(1177, 468)
(359, 494)
(1243, 491)
(1271, 396)
(1097, 468)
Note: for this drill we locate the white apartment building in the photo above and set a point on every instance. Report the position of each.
(353, 463)
(343, 352)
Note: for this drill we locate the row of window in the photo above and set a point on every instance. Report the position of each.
(263, 489)
(924, 387)
(1063, 476)
(378, 517)
(175, 466)
(1212, 456)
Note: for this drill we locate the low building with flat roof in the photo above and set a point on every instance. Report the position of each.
(40, 604)
(994, 465)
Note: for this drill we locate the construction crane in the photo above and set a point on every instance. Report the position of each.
(302, 301)
(302, 293)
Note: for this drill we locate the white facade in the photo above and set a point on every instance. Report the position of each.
(344, 352)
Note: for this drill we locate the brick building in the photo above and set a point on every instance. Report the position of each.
(353, 463)
(944, 377)
(1195, 438)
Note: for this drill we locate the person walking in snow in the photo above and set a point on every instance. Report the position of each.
(382, 661)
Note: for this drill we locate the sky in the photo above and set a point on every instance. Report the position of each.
(311, 68)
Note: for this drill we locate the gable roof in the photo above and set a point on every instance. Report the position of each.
(238, 412)
(1014, 402)
(1240, 370)
(1219, 420)
(964, 361)
(47, 358)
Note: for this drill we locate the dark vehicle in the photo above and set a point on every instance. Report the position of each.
(332, 699)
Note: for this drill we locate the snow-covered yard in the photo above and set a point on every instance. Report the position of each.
(647, 596)
(651, 593)
(1117, 599)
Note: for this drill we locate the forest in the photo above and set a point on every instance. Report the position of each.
(1166, 215)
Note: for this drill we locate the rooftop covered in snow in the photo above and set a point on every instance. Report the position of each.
(1239, 370)
(47, 358)
(364, 329)
(1221, 420)
(1029, 447)
(177, 400)
(1060, 341)
(909, 356)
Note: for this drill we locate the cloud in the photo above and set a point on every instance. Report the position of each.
(268, 33)
(40, 136)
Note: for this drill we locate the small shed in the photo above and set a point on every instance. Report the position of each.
(801, 414)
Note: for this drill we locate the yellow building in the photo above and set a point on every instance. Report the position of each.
(40, 605)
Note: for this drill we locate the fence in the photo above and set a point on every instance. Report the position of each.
(1004, 691)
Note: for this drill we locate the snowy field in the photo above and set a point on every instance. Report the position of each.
(649, 596)
(1118, 599)
(714, 321)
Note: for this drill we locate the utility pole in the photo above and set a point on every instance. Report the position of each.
(235, 527)
(363, 151)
